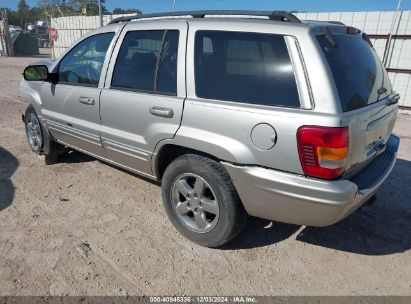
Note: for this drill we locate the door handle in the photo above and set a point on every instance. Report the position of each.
(162, 112)
(86, 100)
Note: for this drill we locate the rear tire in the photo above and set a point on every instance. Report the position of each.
(201, 201)
(38, 138)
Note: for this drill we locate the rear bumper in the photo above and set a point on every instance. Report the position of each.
(296, 199)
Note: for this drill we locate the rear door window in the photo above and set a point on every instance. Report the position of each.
(358, 74)
(244, 67)
(147, 62)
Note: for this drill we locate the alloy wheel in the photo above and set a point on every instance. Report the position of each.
(195, 203)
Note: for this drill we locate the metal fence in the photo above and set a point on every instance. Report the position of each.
(70, 29)
(6, 46)
(378, 25)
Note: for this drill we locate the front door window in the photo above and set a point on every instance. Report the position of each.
(83, 64)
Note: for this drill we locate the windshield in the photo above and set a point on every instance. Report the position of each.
(358, 73)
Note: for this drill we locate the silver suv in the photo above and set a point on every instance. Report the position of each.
(236, 113)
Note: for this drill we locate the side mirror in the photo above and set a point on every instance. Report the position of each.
(36, 73)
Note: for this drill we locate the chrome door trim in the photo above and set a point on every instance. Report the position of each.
(100, 157)
(125, 149)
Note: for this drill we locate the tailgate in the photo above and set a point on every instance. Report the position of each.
(369, 130)
(368, 103)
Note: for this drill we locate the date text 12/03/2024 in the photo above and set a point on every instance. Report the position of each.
(203, 299)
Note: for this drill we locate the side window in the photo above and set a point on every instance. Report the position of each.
(83, 64)
(147, 62)
(167, 71)
(244, 67)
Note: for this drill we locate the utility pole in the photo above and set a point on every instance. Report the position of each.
(174, 5)
(385, 60)
(100, 12)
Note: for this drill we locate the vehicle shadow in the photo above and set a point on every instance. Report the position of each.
(74, 157)
(260, 233)
(380, 229)
(8, 165)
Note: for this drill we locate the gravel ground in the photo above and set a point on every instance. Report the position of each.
(82, 227)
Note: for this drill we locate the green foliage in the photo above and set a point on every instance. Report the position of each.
(23, 12)
(11, 16)
(58, 8)
(23, 15)
(23, 9)
(119, 10)
(87, 7)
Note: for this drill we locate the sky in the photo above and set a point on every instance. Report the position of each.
(150, 6)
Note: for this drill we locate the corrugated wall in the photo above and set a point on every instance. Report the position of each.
(69, 29)
(380, 23)
(373, 23)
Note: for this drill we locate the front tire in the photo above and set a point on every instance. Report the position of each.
(38, 138)
(201, 200)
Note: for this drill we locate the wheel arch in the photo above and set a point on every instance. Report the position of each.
(30, 94)
(169, 152)
(213, 146)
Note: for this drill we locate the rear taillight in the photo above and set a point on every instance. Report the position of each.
(323, 150)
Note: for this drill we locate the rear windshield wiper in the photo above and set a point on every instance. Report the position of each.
(382, 90)
(365, 37)
(329, 36)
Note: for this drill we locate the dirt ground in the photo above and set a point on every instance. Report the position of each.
(82, 227)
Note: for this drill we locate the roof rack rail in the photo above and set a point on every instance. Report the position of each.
(328, 21)
(336, 22)
(272, 15)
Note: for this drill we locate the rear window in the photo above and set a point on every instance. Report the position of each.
(147, 62)
(244, 67)
(358, 73)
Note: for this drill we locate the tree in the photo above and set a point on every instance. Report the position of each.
(35, 14)
(87, 7)
(23, 16)
(55, 8)
(11, 16)
(119, 10)
(23, 12)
